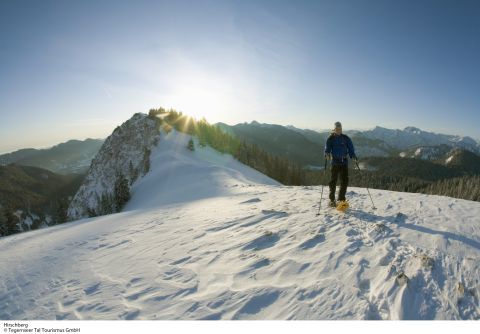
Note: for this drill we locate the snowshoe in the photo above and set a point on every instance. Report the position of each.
(332, 204)
(342, 206)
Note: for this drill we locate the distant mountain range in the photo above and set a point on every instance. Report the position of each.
(36, 195)
(36, 185)
(306, 146)
(412, 136)
(74, 156)
(302, 146)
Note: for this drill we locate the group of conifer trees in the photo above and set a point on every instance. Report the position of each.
(464, 187)
(280, 169)
(8, 221)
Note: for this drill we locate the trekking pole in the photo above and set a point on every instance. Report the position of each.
(321, 196)
(373, 205)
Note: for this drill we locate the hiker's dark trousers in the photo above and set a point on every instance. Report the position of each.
(342, 171)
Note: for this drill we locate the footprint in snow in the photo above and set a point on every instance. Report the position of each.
(312, 242)
(257, 303)
(130, 315)
(92, 289)
(252, 200)
(267, 214)
(386, 259)
(354, 246)
(272, 213)
(352, 232)
(265, 241)
(179, 261)
(252, 268)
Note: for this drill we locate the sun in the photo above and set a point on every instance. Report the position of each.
(199, 95)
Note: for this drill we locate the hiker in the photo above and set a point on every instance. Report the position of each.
(337, 149)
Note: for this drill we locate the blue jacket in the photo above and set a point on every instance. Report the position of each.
(340, 147)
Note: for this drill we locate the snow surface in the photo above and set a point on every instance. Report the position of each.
(205, 237)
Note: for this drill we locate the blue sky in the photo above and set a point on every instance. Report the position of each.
(77, 69)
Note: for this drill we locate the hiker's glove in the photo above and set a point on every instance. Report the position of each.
(328, 156)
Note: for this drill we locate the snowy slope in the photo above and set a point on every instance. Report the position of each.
(179, 175)
(205, 237)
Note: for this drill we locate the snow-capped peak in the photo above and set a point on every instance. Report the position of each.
(413, 130)
(414, 137)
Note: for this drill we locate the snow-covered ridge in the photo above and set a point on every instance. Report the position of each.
(125, 151)
(180, 175)
(427, 152)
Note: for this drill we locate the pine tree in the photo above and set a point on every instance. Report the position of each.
(106, 204)
(8, 222)
(191, 145)
(122, 192)
(3, 222)
(36, 224)
(61, 211)
(146, 161)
